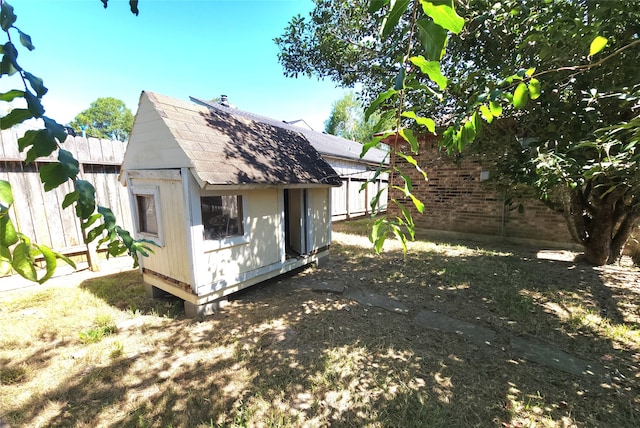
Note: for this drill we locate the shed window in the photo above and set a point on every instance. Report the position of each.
(147, 217)
(222, 216)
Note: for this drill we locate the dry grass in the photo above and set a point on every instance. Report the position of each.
(103, 355)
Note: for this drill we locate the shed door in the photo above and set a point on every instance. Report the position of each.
(295, 221)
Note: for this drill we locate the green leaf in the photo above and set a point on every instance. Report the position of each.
(8, 234)
(433, 38)
(91, 220)
(424, 121)
(486, 113)
(69, 163)
(399, 84)
(109, 218)
(417, 202)
(25, 40)
(379, 100)
(7, 17)
(55, 128)
(34, 105)
(23, 262)
(5, 260)
(95, 232)
(408, 136)
(70, 198)
(496, 108)
(11, 95)
(52, 175)
(378, 234)
(86, 203)
(411, 160)
(392, 19)
(373, 143)
(133, 5)
(36, 84)
(56, 173)
(6, 195)
(400, 235)
(534, 89)
(15, 116)
(9, 59)
(443, 14)
(376, 5)
(520, 95)
(431, 69)
(597, 45)
(50, 261)
(41, 141)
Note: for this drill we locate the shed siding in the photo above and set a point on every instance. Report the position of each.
(320, 224)
(150, 135)
(347, 200)
(263, 248)
(170, 259)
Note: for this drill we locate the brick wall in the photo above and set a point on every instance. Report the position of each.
(457, 200)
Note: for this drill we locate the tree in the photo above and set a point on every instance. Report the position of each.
(18, 251)
(347, 120)
(105, 118)
(571, 64)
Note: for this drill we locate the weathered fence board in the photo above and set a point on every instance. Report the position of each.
(39, 214)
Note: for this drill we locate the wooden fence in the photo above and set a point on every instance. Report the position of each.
(38, 214)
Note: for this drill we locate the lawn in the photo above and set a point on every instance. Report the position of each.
(101, 354)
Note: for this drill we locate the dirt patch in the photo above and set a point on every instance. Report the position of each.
(282, 354)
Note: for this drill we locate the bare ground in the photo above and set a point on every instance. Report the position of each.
(283, 355)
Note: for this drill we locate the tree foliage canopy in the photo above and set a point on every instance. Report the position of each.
(347, 120)
(105, 118)
(558, 78)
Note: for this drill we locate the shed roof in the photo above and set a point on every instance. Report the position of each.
(219, 147)
(327, 144)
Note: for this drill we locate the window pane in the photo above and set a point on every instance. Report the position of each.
(222, 216)
(147, 214)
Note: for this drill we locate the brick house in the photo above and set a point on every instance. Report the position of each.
(457, 199)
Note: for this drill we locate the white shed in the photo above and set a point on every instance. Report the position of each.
(229, 201)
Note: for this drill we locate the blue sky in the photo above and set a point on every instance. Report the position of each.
(177, 48)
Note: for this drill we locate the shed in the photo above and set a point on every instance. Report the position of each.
(360, 184)
(229, 201)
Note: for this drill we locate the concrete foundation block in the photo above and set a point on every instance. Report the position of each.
(154, 292)
(192, 310)
(322, 261)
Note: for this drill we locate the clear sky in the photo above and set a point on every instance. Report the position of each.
(179, 48)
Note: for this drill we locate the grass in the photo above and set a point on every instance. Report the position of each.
(102, 354)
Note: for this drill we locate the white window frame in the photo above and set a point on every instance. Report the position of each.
(229, 241)
(148, 191)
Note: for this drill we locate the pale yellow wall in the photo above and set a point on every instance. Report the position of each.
(262, 249)
(172, 259)
(320, 221)
(151, 145)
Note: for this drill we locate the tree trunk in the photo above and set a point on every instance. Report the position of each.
(597, 247)
(609, 225)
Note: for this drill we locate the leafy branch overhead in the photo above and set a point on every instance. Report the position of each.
(17, 251)
(527, 81)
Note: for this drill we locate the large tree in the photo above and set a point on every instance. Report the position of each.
(347, 120)
(559, 77)
(105, 118)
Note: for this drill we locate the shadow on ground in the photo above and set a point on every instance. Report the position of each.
(282, 354)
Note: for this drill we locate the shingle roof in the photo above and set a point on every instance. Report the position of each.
(227, 149)
(326, 144)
